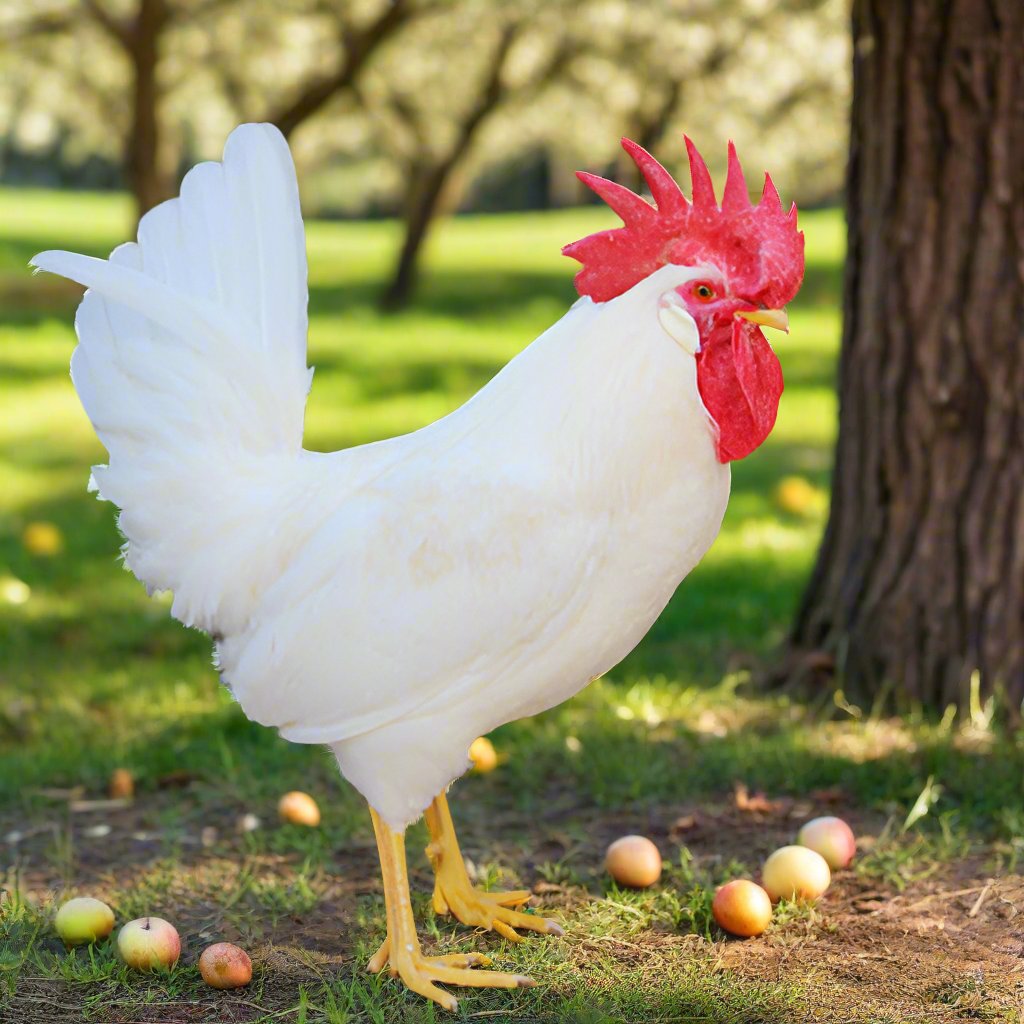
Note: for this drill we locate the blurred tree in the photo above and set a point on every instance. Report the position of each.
(684, 58)
(400, 105)
(135, 32)
(919, 585)
(427, 111)
(147, 35)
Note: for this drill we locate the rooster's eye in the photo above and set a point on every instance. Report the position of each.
(704, 292)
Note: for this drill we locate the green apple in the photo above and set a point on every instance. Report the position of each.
(84, 920)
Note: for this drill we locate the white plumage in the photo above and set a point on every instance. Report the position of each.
(398, 599)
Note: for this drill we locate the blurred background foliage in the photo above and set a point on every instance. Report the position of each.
(412, 108)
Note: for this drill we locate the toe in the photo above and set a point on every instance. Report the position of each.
(439, 902)
(480, 979)
(420, 982)
(379, 959)
(528, 922)
(462, 960)
(511, 899)
(506, 930)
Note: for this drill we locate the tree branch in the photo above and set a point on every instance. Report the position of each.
(50, 24)
(116, 29)
(359, 46)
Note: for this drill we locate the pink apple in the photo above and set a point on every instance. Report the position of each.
(795, 871)
(832, 838)
(84, 920)
(742, 907)
(149, 942)
(224, 965)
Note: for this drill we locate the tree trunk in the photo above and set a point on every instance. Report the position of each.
(421, 207)
(426, 193)
(146, 179)
(920, 578)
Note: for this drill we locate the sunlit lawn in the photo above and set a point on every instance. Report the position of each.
(94, 675)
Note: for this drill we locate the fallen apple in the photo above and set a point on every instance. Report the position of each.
(742, 908)
(832, 838)
(799, 497)
(42, 538)
(483, 755)
(633, 861)
(121, 785)
(149, 942)
(84, 919)
(795, 871)
(224, 965)
(299, 809)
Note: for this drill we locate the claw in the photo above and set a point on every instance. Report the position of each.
(379, 960)
(454, 893)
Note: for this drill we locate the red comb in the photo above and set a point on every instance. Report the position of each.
(757, 247)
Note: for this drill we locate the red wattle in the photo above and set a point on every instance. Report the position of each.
(740, 383)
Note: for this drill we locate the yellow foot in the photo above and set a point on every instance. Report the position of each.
(422, 973)
(491, 910)
(454, 894)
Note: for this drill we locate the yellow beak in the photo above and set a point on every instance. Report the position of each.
(776, 318)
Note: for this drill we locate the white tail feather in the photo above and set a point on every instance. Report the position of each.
(191, 365)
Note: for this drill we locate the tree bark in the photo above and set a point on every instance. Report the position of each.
(146, 179)
(919, 582)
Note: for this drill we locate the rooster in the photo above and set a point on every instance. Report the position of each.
(396, 600)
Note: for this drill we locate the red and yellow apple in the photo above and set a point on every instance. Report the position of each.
(224, 965)
(832, 838)
(633, 861)
(795, 872)
(148, 943)
(742, 908)
(84, 920)
(299, 809)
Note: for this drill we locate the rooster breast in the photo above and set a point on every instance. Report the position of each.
(490, 565)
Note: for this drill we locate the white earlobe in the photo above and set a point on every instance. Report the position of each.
(677, 323)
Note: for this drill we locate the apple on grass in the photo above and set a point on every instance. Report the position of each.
(148, 943)
(794, 872)
(634, 862)
(299, 808)
(742, 908)
(832, 838)
(84, 920)
(225, 965)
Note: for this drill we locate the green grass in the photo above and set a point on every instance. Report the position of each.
(94, 675)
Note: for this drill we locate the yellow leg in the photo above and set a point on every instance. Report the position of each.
(454, 894)
(401, 949)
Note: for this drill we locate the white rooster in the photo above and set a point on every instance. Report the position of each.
(397, 600)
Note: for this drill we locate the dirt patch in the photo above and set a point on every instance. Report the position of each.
(949, 947)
